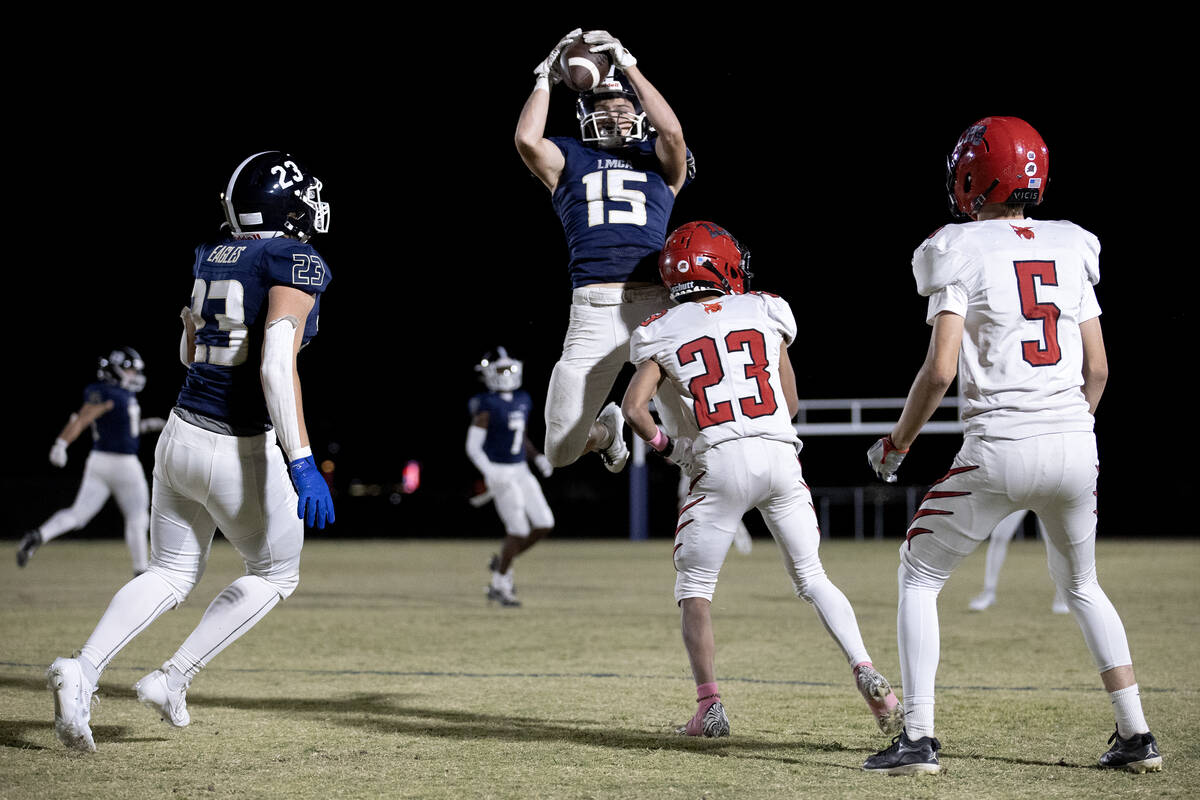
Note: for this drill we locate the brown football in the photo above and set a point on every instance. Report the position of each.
(582, 69)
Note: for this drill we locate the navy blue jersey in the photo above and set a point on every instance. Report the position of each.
(614, 206)
(507, 415)
(229, 300)
(116, 430)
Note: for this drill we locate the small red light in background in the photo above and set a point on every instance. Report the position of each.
(411, 477)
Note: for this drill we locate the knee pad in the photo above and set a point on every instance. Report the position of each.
(807, 576)
(283, 577)
(695, 582)
(175, 581)
(559, 452)
(916, 574)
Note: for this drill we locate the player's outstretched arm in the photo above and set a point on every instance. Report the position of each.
(669, 145)
(76, 424)
(1095, 362)
(542, 157)
(287, 311)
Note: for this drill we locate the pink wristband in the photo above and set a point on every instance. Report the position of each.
(660, 440)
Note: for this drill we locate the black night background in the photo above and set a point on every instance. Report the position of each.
(830, 168)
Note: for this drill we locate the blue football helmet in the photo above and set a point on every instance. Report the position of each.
(122, 367)
(500, 373)
(606, 128)
(270, 194)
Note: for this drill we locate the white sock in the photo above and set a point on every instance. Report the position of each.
(918, 720)
(238, 607)
(837, 615)
(1127, 708)
(132, 609)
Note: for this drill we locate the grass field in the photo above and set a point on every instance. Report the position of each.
(388, 675)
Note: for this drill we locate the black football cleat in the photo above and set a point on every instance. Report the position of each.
(1139, 753)
(906, 757)
(30, 542)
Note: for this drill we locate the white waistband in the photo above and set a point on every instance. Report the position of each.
(613, 296)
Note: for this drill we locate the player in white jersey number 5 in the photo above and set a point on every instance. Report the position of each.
(1014, 314)
(725, 351)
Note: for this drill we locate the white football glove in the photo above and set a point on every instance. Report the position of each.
(884, 459)
(543, 464)
(151, 425)
(58, 453)
(550, 69)
(603, 41)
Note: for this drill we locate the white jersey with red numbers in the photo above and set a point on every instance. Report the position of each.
(1023, 288)
(723, 354)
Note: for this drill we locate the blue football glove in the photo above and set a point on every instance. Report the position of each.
(316, 505)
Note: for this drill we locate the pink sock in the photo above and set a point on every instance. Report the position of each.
(706, 695)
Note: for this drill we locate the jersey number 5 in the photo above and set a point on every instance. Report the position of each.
(760, 404)
(1033, 351)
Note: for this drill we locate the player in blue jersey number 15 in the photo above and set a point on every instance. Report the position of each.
(613, 190)
(256, 292)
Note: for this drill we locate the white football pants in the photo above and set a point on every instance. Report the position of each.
(519, 500)
(117, 475)
(595, 349)
(202, 481)
(734, 477)
(1052, 475)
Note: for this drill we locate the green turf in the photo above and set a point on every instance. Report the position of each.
(388, 675)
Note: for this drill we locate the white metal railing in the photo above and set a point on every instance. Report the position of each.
(856, 424)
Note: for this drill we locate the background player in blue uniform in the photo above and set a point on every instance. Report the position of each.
(255, 298)
(613, 191)
(112, 469)
(498, 447)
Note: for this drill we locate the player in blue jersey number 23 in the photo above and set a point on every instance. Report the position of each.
(256, 292)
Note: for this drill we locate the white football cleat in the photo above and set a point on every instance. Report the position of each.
(72, 704)
(154, 693)
(617, 453)
(982, 601)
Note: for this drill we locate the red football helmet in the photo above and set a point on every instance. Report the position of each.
(704, 257)
(996, 160)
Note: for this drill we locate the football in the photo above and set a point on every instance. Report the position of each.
(582, 70)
